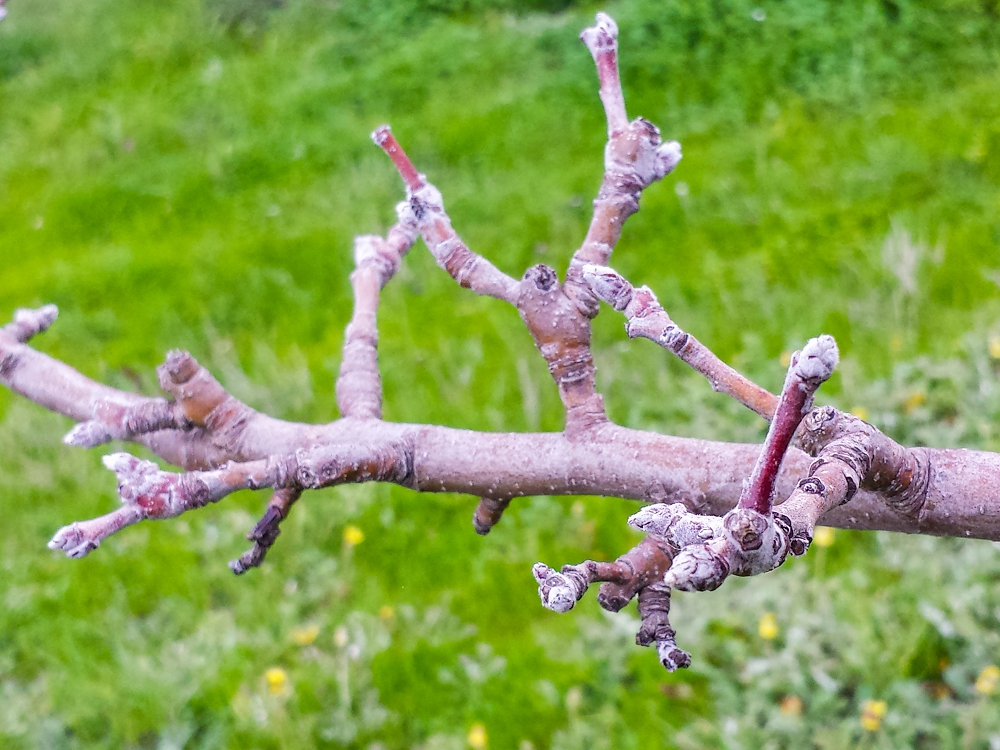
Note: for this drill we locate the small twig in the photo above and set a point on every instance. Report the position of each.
(654, 609)
(147, 492)
(624, 578)
(646, 318)
(634, 158)
(466, 267)
(488, 512)
(807, 370)
(359, 384)
(29, 322)
(754, 540)
(266, 532)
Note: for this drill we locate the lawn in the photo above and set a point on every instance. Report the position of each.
(190, 174)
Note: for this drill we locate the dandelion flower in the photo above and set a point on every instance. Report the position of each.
(823, 536)
(768, 626)
(277, 680)
(791, 705)
(989, 680)
(477, 737)
(353, 536)
(306, 635)
(871, 714)
(995, 347)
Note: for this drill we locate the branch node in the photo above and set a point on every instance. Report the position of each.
(30, 322)
(700, 567)
(816, 362)
(559, 591)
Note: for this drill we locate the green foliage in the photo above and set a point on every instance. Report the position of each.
(187, 174)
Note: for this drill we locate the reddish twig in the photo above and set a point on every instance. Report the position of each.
(807, 370)
(385, 140)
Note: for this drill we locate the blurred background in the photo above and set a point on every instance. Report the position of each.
(190, 173)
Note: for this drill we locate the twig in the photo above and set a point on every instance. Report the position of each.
(646, 318)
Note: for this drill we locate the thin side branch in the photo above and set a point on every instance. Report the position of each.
(807, 370)
(147, 492)
(646, 318)
(359, 384)
(466, 267)
(266, 532)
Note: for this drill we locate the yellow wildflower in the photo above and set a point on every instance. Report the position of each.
(989, 680)
(353, 536)
(768, 626)
(477, 737)
(786, 358)
(860, 412)
(386, 612)
(823, 536)
(305, 636)
(277, 680)
(871, 714)
(995, 347)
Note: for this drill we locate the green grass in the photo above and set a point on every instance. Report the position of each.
(186, 174)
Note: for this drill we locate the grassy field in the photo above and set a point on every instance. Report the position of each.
(191, 174)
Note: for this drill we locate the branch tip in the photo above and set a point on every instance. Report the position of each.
(29, 322)
(817, 360)
(671, 657)
(381, 134)
(87, 434)
(558, 592)
(602, 41)
(70, 540)
(384, 139)
(603, 35)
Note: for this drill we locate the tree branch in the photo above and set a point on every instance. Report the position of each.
(634, 158)
(716, 507)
